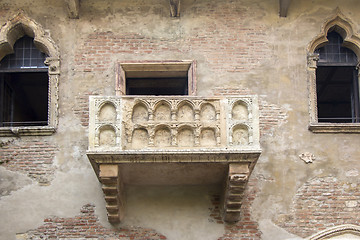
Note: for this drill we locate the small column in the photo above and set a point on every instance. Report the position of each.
(312, 60)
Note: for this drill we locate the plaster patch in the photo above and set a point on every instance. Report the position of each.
(270, 231)
(12, 181)
(27, 208)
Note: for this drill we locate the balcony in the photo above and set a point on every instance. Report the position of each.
(173, 141)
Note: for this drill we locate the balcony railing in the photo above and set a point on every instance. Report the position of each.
(175, 124)
(146, 140)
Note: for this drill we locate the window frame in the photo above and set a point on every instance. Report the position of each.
(124, 68)
(17, 27)
(342, 26)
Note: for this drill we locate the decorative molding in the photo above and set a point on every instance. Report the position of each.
(174, 8)
(26, 131)
(337, 231)
(21, 25)
(284, 7)
(339, 23)
(17, 27)
(335, 127)
(73, 7)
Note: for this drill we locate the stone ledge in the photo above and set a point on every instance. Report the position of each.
(178, 156)
(335, 127)
(26, 131)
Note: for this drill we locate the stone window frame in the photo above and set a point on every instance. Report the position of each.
(15, 28)
(342, 26)
(168, 66)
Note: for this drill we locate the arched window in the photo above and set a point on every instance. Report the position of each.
(29, 77)
(337, 87)
(24, 86)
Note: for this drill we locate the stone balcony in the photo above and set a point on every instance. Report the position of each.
(173, 140)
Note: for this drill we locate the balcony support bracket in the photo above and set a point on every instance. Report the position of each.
(236, 181)
(113, 189)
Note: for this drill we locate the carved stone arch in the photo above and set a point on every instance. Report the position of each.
(162, 102)
(186, 136)
(162, 110)
(208, 136)
(343, 26)
(207, 111)
(140, 112)
(107, 135)
(183, 102)
(240, 134)
(111, 114)
(185, 110)
(145, 103)
(343, 231)
(163, 137)
(240, 110)
(21, 25)
(15, 28)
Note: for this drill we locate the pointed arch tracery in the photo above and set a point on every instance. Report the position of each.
(343, 27)
(17, 27)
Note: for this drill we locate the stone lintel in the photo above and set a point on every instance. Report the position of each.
(73, 7)
(174, 8)
(236, 181)
(284, 6)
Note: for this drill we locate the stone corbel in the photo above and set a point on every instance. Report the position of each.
(73, 7)
(54, 65)
(236, 181)
(113, 189)
(357, 68)
(312, 60)
(174, 8)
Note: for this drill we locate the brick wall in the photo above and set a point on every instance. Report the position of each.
(81, 108)
(270, 115)
(86, 226)
(227, 44)
(322, 203)
(32, 156)
(246, 228)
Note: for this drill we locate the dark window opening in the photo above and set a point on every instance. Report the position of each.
(337, 83)
(157, 86)
(24, 86)
(154, 78)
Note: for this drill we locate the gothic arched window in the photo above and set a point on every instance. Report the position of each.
(337, 86)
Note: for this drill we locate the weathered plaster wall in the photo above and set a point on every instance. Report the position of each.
(240, 46)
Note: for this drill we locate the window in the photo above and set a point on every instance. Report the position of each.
(333, 78)
(29, 77)
(156, 78)
(337, 82)
(24, 86)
